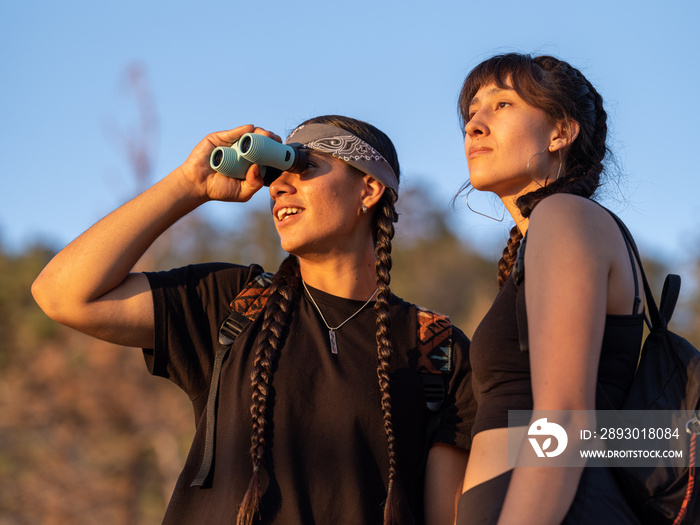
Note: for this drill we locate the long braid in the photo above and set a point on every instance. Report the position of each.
(269, 342)
(510, 253)
(386, 217)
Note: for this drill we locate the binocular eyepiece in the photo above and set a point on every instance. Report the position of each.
(272, 157)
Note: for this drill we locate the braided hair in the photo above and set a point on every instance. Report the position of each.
(285, 287)
(562, 93)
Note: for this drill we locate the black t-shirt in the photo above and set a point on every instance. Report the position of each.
(326, 458)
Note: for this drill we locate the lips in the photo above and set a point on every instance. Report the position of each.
(476, 150)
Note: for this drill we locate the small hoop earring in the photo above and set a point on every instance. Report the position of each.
(364, 209)
(483, 214)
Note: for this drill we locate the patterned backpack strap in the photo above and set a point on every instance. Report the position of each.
(245, 308)
(434, 342)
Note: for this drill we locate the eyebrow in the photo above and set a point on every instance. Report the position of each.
(318, 154)
(491, 91)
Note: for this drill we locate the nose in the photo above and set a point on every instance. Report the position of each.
(282, 184)
(476, 125)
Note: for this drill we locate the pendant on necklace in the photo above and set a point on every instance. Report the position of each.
(334, 341)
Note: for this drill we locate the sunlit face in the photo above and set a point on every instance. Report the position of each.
(317, 211)
(502, 135)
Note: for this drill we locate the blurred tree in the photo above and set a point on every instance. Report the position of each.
(434, 268)
(22, 325)
(692, 309)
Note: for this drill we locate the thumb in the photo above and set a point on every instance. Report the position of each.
(253, 181)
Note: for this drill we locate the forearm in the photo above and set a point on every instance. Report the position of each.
(444, 475)
(543, 494)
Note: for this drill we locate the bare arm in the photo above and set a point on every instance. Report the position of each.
(570, 261)
(444, 474)
(88, 285)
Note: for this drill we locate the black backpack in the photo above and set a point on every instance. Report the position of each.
(667, 378)
(434, 364)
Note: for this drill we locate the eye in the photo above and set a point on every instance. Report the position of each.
(311, 161)
(502, 105)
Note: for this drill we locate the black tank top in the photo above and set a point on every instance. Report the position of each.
(501, 371)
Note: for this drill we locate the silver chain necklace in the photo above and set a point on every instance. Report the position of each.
(331, 330)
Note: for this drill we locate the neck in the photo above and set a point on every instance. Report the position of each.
(520, 221)
(351, 276)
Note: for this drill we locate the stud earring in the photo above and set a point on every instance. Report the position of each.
(364, 209)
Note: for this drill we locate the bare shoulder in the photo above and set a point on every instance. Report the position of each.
(569, 208)
(573, 230)
(571, 217)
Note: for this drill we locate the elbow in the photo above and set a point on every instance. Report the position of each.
(570, 413)
(574, 420)
(47, 298)
(41, 298)
(40, 294)
(571, 421)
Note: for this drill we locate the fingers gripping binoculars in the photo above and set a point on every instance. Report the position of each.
(272, 157)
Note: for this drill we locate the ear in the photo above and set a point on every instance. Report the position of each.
(564, 135)
(372, 191)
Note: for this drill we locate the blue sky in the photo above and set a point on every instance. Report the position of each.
(212, 65)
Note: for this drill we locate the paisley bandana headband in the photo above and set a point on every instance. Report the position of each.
(347, 147)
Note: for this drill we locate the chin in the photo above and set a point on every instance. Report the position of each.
(479, 185)
(294, 247)
(288, 247)
(499, 186)
(285, 243)
(479, 181)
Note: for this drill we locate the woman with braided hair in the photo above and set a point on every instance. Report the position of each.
(320, 414)
(564, 332)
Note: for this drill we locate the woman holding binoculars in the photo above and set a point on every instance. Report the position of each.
(320, 414)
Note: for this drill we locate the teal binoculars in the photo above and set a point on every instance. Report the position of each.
(271, 156)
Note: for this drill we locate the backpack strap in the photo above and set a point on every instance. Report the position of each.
(659, 315)
(245, 308)
(434, 341)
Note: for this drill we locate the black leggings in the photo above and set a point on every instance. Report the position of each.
(598, 500)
